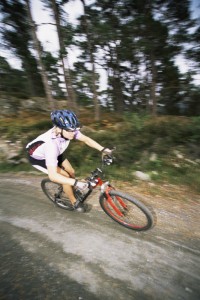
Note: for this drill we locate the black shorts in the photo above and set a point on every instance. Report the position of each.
(42, 162)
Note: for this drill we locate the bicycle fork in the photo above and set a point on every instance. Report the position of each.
(106, 188)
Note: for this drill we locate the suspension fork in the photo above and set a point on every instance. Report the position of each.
(111, 202)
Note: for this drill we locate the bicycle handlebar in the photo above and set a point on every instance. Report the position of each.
(107, 159)
(93, 179)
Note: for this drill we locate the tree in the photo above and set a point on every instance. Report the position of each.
(52, 69)
(12, 81)
(62, 28)
(38, 51)
(16, 36)
(135, 42)
(193, 53)
(105, 39)
(158, 31)
(87, 28)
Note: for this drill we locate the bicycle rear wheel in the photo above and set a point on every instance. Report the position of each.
(126, 210)
(54, 192)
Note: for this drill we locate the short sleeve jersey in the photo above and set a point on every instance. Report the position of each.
(52, 146)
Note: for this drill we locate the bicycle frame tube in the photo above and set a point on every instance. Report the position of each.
(100, 182)
(105, 188)
(86, 195)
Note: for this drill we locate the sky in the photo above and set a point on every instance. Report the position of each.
(47, 33)
(41, 15)
(48, 36)
(75, 9)
(196, 8)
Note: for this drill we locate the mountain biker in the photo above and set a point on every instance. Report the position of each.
(45, 153)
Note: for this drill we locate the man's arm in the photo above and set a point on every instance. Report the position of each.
(90, 142)
(58, 175)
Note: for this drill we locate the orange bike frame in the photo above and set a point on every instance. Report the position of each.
(110, 200)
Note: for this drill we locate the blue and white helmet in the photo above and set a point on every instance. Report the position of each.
(65, 119)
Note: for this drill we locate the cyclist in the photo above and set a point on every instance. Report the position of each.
(45, 153)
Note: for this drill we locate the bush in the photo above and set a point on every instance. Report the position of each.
(195, 130)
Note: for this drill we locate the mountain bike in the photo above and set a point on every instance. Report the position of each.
(121, 207)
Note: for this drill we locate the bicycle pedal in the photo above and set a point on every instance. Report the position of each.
(79, 207)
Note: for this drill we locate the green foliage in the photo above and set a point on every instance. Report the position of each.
(39, 126)
(169, 140)
(13, 82)
(195, 130)
(11, 167)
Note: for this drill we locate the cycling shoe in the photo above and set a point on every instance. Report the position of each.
(79, 207)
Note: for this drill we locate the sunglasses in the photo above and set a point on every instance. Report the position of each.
(72, 130)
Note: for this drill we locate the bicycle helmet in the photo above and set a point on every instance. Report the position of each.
(65, 119)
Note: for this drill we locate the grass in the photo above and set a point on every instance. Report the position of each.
(6, 167)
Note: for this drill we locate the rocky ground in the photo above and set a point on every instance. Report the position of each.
(48, 253)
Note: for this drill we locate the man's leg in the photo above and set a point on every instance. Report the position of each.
(68, 172)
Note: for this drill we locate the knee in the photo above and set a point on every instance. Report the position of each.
(70, 172)
(68, 167)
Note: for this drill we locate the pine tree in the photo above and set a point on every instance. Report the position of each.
(41, 66)
(16, 36)
(62, 28)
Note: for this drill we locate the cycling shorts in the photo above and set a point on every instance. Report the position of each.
(40, 164)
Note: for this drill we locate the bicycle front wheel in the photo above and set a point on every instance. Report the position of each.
(54, 192)
(126, 210)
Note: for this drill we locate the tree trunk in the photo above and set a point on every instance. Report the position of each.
(153, 86)
(94, 90)
(116, 81)
(66, 71)
(38, 50)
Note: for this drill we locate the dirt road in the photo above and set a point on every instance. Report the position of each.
(48, 253)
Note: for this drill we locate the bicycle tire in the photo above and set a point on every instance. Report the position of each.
(135, 216)
(54, 192)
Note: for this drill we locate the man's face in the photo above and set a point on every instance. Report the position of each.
(68, 134)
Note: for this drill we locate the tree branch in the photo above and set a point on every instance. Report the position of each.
(46, 24)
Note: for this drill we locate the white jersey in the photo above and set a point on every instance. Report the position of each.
(48, 146)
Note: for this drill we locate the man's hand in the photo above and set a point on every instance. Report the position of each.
(106, 151)
(107, 156)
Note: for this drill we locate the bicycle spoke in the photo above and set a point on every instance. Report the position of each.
(53, 190)
(131, 215)
(127, 211)
(55, 193)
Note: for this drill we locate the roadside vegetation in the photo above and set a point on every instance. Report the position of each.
(166, 148)
(133, 46)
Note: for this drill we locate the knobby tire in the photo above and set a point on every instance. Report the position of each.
(135, 215)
